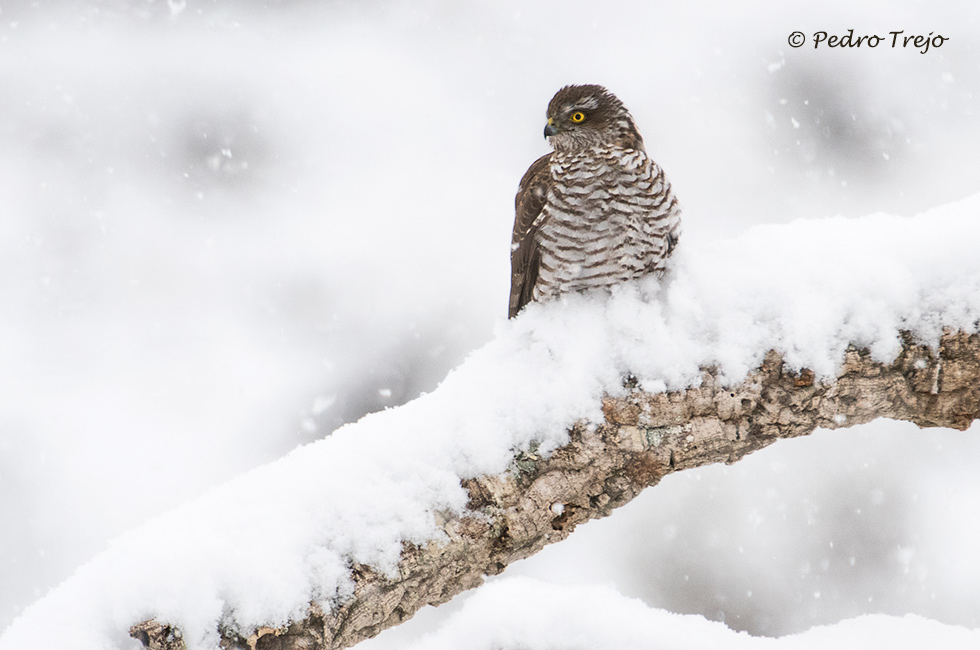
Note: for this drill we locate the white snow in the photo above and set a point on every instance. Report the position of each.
(257, 549)
(533, 615)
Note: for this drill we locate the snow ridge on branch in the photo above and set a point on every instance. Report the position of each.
(768, 335)
(643, 437)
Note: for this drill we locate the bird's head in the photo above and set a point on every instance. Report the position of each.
(584, 116)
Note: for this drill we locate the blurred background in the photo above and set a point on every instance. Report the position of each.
(228, 228)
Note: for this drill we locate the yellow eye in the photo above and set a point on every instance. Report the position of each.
(578, 116)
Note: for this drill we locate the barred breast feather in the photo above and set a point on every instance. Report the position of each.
(590, 218)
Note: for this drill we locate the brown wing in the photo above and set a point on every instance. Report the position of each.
(524, 255)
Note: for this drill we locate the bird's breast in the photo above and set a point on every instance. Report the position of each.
(600, 221)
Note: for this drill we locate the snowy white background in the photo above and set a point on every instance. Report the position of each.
(227, 229)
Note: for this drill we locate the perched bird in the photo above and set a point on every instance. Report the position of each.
(594, 212)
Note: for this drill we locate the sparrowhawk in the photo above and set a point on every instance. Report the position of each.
(594, 212)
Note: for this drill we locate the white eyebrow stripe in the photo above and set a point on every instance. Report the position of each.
(588, 102)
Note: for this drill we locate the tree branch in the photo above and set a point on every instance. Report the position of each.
(643, 438)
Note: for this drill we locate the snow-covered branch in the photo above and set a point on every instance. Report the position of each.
(570, 411)
(643, 437)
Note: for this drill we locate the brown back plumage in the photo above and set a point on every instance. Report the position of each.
(597, 210)
(531, 196)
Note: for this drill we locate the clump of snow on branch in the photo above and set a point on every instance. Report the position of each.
(808, 289)
(258, 549)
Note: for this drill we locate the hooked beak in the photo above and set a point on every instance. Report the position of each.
(549, 128)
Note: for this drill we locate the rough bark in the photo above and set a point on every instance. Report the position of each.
(643, 438)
